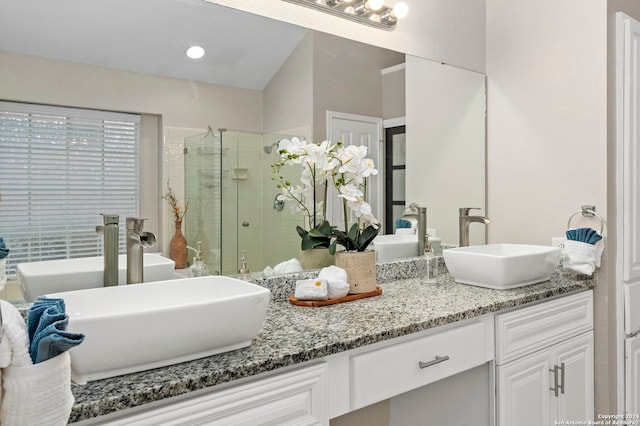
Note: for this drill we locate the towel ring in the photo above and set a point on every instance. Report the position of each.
(588, 211)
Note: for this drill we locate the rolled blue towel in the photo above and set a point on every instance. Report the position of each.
(403, 223)
(54, 340)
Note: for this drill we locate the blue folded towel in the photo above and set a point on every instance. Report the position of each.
(4, 251)
(40, 316)
(54, 340)
(584, 235)
(403, 223)
(47, 325)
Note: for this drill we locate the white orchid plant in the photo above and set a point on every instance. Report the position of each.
(344, 167)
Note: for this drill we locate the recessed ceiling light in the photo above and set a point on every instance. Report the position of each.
(195, 52)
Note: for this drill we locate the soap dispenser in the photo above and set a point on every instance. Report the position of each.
(429, 270)
(199, 268)
(244, 273)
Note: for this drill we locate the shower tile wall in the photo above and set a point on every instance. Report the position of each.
(280, 226)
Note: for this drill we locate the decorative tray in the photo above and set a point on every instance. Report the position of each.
(347, 298)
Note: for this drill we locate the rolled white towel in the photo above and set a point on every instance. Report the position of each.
(336, 278)
(288, 266)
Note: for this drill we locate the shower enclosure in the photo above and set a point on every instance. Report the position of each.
(232, 201)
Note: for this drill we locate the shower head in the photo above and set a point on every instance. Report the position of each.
(269, 148)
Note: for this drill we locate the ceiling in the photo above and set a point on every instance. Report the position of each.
(151, 36)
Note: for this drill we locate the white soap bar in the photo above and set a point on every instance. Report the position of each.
(312, 290)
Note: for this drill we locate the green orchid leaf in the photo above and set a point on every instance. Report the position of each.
(301, 231)
(365, 238)
(333, 246)
(353, 232)
(325, 228)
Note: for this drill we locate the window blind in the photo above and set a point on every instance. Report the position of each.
(59, 169)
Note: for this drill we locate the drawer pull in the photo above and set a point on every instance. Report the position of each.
(437, 360)
(561, 386)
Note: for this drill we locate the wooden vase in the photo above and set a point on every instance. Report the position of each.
(316, 258)
(178, 247)
(361, 270)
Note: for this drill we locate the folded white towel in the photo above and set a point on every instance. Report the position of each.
(312, 290)
(582, 257)
(405, 231)
(38, 394)
(336, 278)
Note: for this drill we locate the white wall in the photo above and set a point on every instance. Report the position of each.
(451, 31)
(546, 67)
(547, 131)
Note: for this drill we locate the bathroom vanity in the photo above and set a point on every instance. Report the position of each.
(313, 364)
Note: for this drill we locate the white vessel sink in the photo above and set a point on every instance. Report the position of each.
(395, 246)
(502, 266)
(142, 326)
(38, 278)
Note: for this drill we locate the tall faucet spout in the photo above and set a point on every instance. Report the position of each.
(109, 231)
(420, 214)
(137, 241)
(465, 220)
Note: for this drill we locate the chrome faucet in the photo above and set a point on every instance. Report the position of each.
(137, 240)
(464, 222)
(420, 214)
(109, 231)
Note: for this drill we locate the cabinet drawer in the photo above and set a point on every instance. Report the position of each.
(383, 373)
(529, 329)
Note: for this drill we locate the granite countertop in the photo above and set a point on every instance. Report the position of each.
(294, 334)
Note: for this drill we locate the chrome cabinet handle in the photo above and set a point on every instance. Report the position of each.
(562, 378)
(555, 380)
(435, 361)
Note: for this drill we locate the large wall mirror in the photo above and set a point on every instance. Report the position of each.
(260, 80)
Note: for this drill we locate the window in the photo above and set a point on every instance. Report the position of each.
(59, 169)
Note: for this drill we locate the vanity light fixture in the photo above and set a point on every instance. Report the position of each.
(369, 12)
(195, 52)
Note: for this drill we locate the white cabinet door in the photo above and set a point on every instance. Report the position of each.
(523, 391)
(632, 367)
(629, 153)
(575, 398)
(554, 384)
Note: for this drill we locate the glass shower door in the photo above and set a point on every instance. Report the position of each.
(203, 191)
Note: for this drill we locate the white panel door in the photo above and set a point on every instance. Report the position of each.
(631, 150)
(352, 129)
(632, 367)
(523, 391)
(575, 399)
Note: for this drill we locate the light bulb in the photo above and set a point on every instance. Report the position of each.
(374, 17)
(195, 52)
(374, 4)
(350, 9)
(400, 10)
